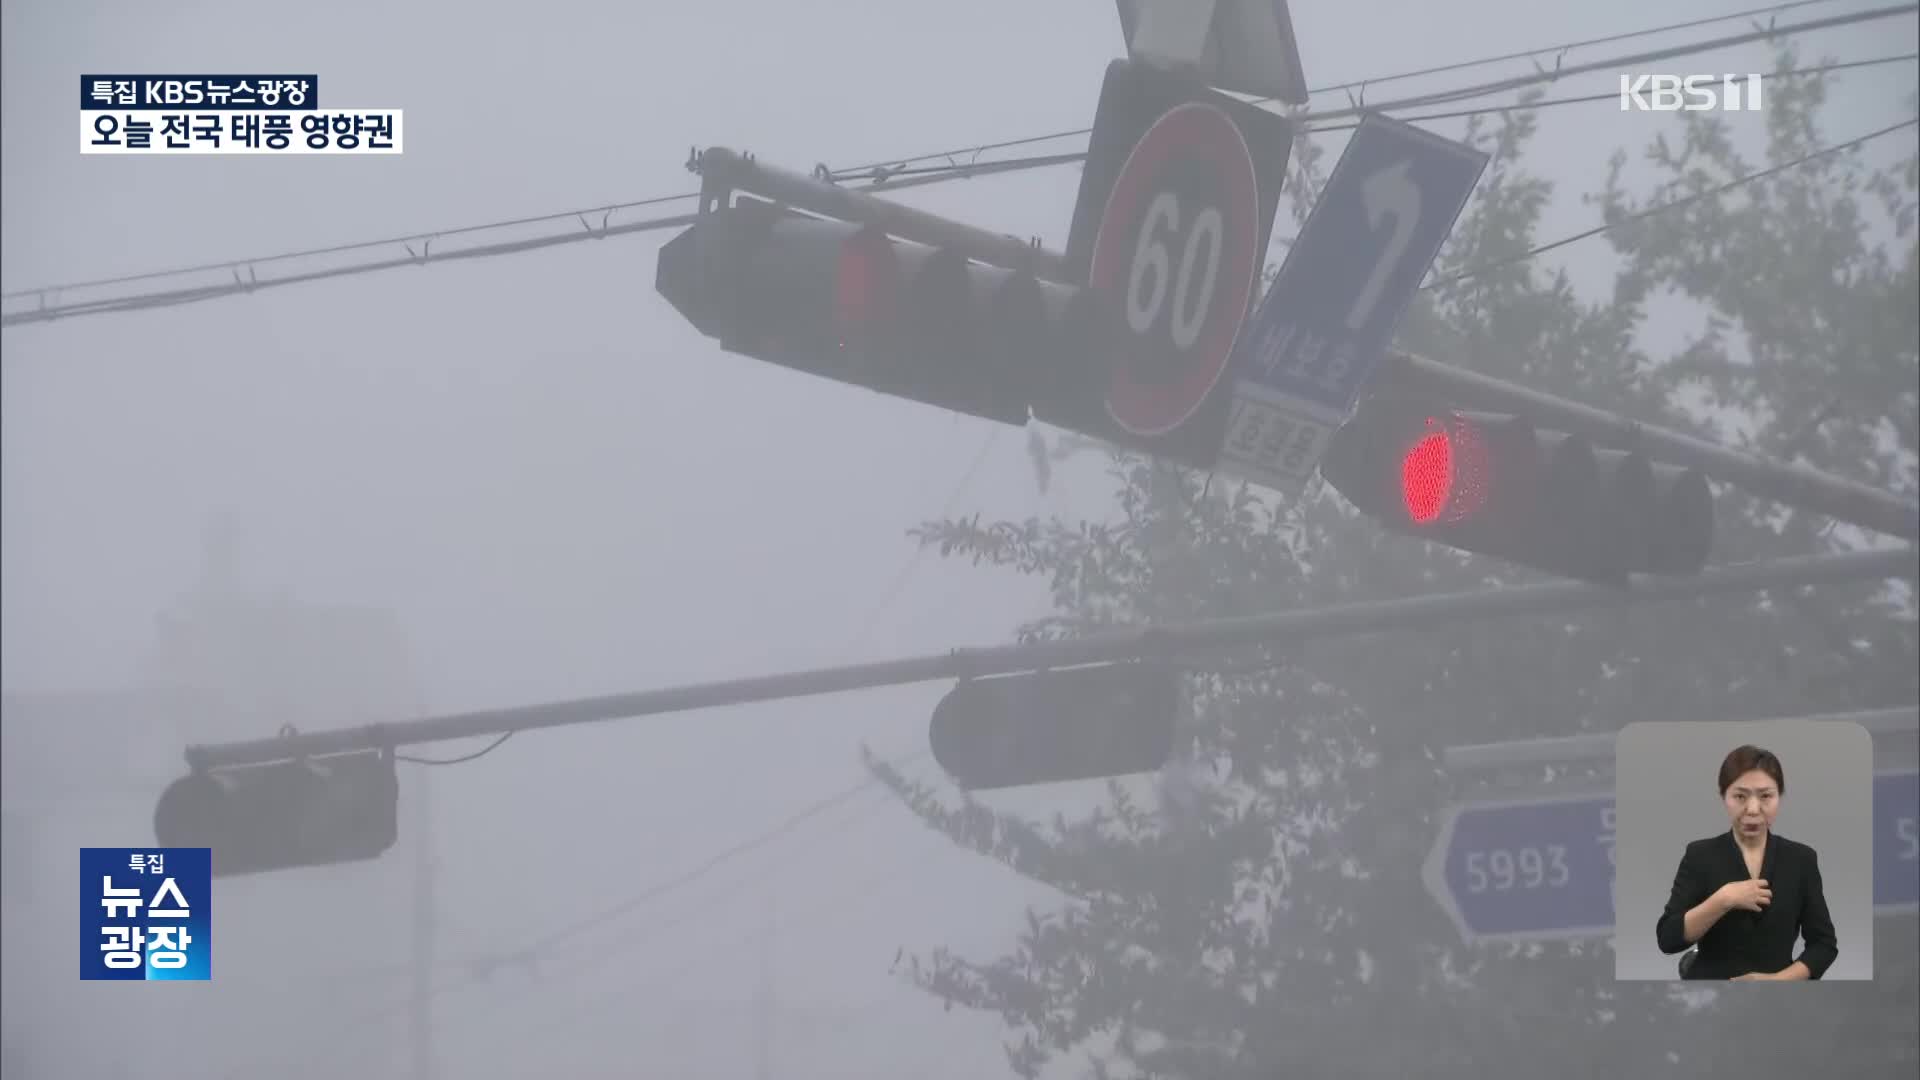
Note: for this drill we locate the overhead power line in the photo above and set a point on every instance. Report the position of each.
(1614, 95)
(1613, 64)
(1362, 84)
(481, 968)
(167, 299)
(604, 212)
(1677, 204)
(46, 312)
(463, 759)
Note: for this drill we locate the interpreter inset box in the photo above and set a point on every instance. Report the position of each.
(1744, 851)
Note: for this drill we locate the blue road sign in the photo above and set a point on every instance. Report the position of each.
(1347, 281)
(1523, 870)
(1542, 869)
(1896, 842)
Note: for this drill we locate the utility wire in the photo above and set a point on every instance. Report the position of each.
(604, 213)
(212, 292)
(906, 571)
(490, 748)
(480, 969)
(250, 284)
(523, 956)
(1589, 99)
(1662, 208)
(864, 890)
(1363, 84)
(1614, 63)
(883, 178)
(1539, 76)
(45, 313)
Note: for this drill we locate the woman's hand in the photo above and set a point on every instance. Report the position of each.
(1755, 976)
(1749, 895)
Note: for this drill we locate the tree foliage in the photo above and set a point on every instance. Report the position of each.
(1269, 919)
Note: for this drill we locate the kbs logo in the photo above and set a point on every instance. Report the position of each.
(1689, 93)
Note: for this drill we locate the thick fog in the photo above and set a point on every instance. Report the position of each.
(525, 479)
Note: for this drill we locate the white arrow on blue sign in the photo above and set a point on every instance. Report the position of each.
(1542, 869)
(1302, 362)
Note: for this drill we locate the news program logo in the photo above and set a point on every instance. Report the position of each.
(225, 114)
(1690, 93)
(146, 913)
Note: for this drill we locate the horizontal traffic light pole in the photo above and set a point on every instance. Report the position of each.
(1904, 720)
(1794, 485)
(1167, 641)
(728, 169)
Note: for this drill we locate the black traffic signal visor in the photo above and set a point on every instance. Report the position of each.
(1053, 726)
(338, 808)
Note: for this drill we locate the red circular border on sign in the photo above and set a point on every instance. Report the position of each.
(1193, 130)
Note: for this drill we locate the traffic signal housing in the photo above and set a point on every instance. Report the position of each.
(850, 303)
(311, 812)
(1494, 485)
(1052, 726)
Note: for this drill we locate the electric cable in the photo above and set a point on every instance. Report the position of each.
(522, 956)
(251, 283)
(1666, 207)
(490, 748)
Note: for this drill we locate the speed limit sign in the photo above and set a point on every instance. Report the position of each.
(1176, 250)
(1175, 211)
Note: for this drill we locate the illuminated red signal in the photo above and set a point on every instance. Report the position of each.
(1426, 477)
(1494, 485)
(864, 284)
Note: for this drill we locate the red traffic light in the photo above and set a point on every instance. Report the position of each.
(1495, 486)
(1426, 477)
(848, 302)
(1444, 469)
(865, 283)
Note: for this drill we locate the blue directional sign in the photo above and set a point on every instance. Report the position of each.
(1525, 870)
(1543, 868)
(1347, 281)
(1896, 842)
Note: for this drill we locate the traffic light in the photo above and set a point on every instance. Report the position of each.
(850, 303)
(339, 808)
(1496, 486)
(1050, 726)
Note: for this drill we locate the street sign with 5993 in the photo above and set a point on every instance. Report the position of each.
(1530, 867)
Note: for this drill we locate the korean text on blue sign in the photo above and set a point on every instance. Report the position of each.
(1312, 347)
(222, 92)
(146, 913)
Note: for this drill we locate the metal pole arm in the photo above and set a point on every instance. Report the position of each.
(1371, 618)
(724, 167)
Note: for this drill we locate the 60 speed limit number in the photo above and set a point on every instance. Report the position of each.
(1176, 250)
(1193, 282)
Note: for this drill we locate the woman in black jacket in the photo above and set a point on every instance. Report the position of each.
(1745, 895)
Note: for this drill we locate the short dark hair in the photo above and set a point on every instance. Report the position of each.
(1745, 759)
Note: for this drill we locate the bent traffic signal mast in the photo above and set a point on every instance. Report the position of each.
(848, 302)
(1496, 486)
